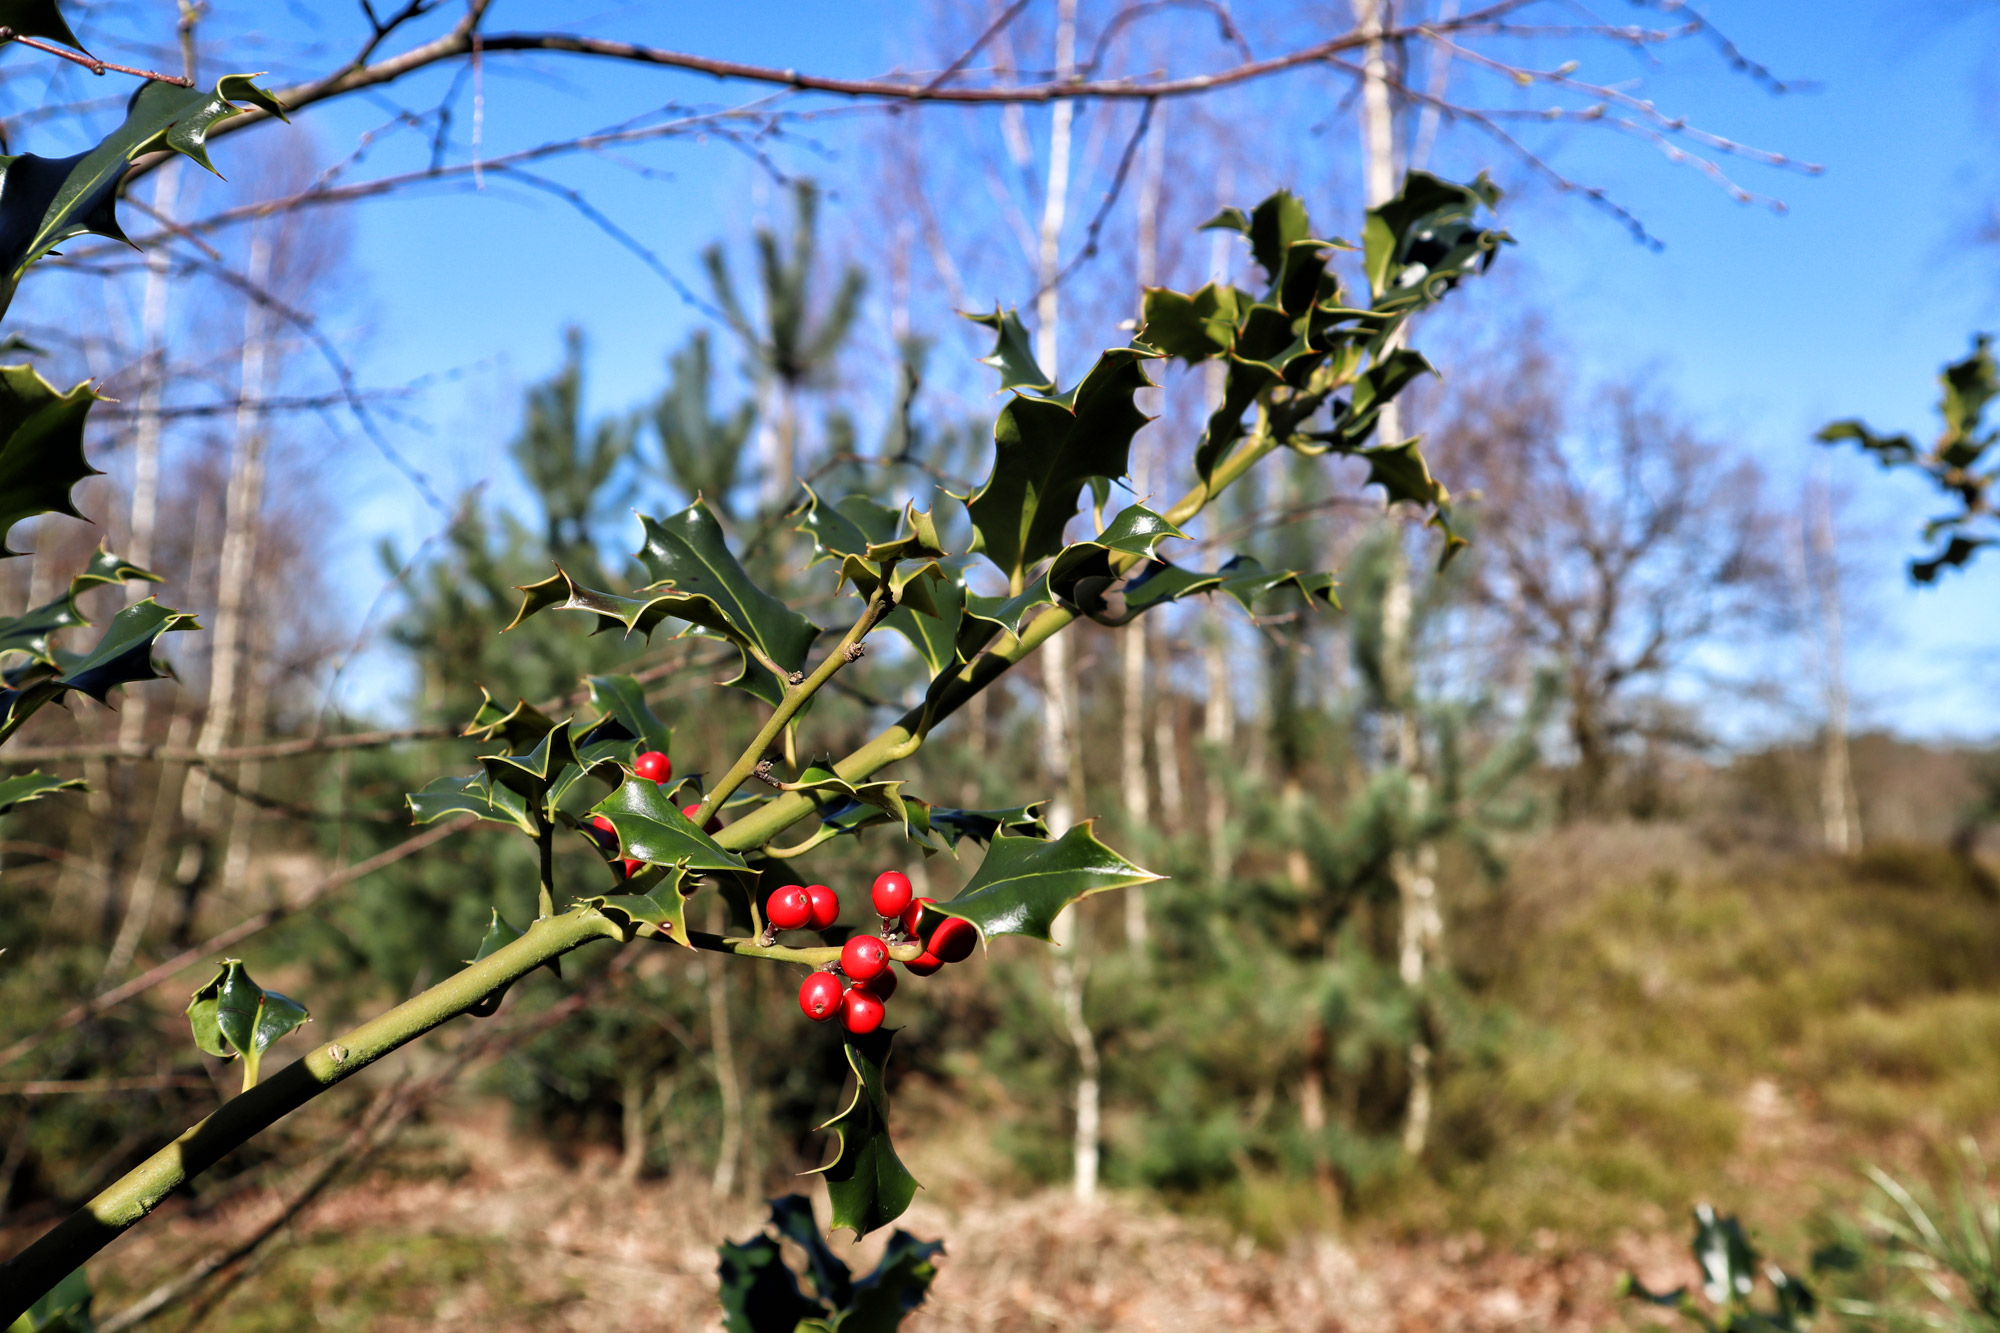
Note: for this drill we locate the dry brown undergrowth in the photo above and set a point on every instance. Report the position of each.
(557, 1247)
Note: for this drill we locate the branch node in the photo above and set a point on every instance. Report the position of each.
(855, 651)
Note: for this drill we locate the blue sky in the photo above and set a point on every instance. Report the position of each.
(1765, 325)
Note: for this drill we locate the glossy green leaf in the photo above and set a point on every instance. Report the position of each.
(478, 795)
(20, 788)
(1024, 821)
(516, 729)
(624, 698)
(866, 1181)
(37, 18)
(759, 1294)
(1193, 328)
(651, 829)
(499, 934)
(897, 1285)
(858, 526)
(660, 911)
(1024, 883)
(1136, 530)
(1418, 244)
(1968, 386)
(1046, 451)
(1013, 353)
(123, 656)
(612, 611)
(41, 442)
(45, 201)
(64, 1309)
(533, 773)
(690, 561)
(32, 633)
(935, 634)
(1085, 583)
(823, 784)
(792, 1218)
(233, 1017)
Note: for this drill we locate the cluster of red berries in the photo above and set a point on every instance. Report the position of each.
(654, 767)
(864, 959)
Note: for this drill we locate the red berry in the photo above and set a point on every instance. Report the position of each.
(788, 908)
(913, 915)
(653, 766)
(864, 957)
(882, 985)
(714, 823)
(953, 940)
(600, 822)
(826, 905)
(923, 964)
(892, 893)
(820, 996)
(860, 1012)
(633, 867)
(687, 811)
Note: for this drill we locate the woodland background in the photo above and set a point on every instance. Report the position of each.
(1514, 908)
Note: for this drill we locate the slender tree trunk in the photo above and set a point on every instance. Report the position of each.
(1218, 730)
(1166, 731)
(239, 539)
(1132, 644)
(1416, 887)
(1840, 814)
(1060, 761)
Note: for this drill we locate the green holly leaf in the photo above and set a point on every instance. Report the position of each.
(623, 698)
(516, 729)
(1418, 245)
(534, 773)
(896, 1286)
(37, 18)
(1009, 614)
(123, 656)
(478, 795)
(792, 1218)
(1354, 420)
(691, 562)
(866, 1181)
(651, 829)
(1085, 582)
(64, 1309)
(32, 632)
(934, 634)
(1046, 451)
(1013, 353)
(983, 826)
(759, 1294)
(498, 936)
(1024, 883)
(613, 611)
(1193, 328)
(860, 527)
(45, 201)
(820, 782)
(233, 1017)
(41, 436)
(661, 911)
(20, 788)
(1136, 530)
(1246, 580)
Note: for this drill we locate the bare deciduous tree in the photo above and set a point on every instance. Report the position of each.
(1615, 540)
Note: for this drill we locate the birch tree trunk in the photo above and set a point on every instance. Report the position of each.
(1135, 788)
(1061, 762)
(1414, 871)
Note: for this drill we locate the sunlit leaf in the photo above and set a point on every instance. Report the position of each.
(1025, 883)
(866, 1182)
(21, 788)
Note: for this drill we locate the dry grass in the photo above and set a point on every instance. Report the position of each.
(517, 1240)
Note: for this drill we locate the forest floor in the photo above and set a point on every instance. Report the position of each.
(512, 1238)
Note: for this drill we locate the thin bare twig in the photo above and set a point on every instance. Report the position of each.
(91, 62)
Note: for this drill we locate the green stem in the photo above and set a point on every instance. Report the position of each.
(822, 956)
(252, 1058)
(545, 848)
(906, 735)
(795, 699)
(25, 1277)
